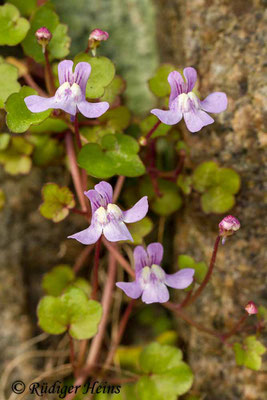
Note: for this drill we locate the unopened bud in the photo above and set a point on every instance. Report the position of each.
(95, 38)
(43, 36)
(251, 308)
(228, 226)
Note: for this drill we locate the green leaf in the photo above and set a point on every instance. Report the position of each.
(58, 47)
(249, 355)
(19, 118)
(16, 158)
(157, 358)
(140, 229)
(148, 123)
(57, 202)
(252, 344)
(8, 81)
(205, 176)
(114, 89)
(102, 73)
(185, 261)
(168, 376)
(184, 183)
(55, 281)
(116, 156)
(217, 200)
(25, 7)
(228, 179)
(147, 390)
(200, 268)
(117, 119)
(4, 140)
(170, 201)
(46, 149)
(72, 311)
(13, 28)
(2, 199)
(49, 125)
(159, 84)
(262, 313)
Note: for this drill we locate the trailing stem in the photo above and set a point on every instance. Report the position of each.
(49, 74)
(95, 270)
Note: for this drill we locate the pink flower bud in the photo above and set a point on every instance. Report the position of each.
(43, 36)
(251, 308)
(228, 226)
(99, 35)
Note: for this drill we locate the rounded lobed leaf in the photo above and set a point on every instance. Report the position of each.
(140, 229)
(159, 84)
(229, 180)
(205, 176)
(25, 7)
(13, 28)
(57, 202)
(114, 89)
(55, 281)
(157, 358)
(216, 200)
(8, 81)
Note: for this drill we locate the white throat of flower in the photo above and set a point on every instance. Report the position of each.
(153, 274)
(69, 92)
(104, 215)
(187, 101)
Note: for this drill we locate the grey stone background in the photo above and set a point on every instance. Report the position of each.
(225, 41)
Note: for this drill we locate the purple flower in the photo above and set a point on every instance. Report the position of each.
(228, 226)
(251, 308)
(184, 103)
(70, 96)
(99, 35)
(107, 218)
(150, 279)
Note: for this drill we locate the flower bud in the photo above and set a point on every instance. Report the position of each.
(43, 36)
(142, 141)
(228, 226)
(251, 308)
(95, 38)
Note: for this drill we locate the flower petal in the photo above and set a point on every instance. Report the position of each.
(177, 85)
(92, 110)
(81, 75)
(89, 235)
(196, 119)
(215, 102)
(155, 293)
(105, 190)
(137, 212)
(115, 231)
(169, 117)
(131, 289)
(65, 73)
(38, 104)
(155, 253)
(181, 279)
(190, 75)
(95, 199)
(140, 259)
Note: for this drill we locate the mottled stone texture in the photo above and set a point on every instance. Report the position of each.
(225, 41)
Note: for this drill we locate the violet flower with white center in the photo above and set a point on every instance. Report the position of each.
(150, 279)
(183, 103)
(228, 226)
(71, 94)
(108, 218)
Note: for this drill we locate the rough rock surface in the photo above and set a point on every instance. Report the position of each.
(226, 42)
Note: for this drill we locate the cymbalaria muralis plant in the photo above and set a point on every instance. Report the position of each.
(71, 113)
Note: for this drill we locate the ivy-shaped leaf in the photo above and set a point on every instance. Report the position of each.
(249, 354)
(25, 7)
(13, 28)
(167, 376)
(159, 84)
(49, 125)
(114, 89)
(117, 119)
(8, 81)
(57, 202)
(140, 229)
(117, 155)
(19, 118)
(58, 47)
(71, 311)
(102, 73)
(61, 277)
(15, 157)
(217, 185)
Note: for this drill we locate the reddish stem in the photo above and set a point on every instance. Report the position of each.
(74, 170)
(118, 187)
(95, 270)
(77, 132)
(49, 73)
(122, 326)
(29, 80)
(82, 258)
(236, 328)
(152, 130)
(121, 260)
(209, 273)
(186, 299)
(76, 211)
